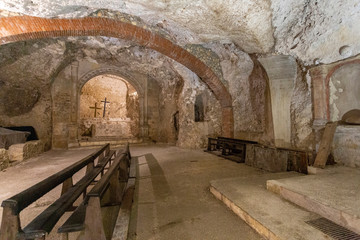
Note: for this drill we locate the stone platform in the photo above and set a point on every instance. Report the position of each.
(269, 214)
(334, 193)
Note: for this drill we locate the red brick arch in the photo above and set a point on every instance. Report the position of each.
(22, 28)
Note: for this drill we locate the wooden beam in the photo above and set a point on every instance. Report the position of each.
(325, 145)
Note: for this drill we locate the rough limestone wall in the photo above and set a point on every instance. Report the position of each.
(316, 31)
(194, 134)
(171, 87)
(26, 70)
(153, 114)
(247, 85)
(302, 135)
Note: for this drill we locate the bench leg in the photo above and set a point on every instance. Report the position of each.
(115, 191)
(94, 229)
(89, 167)
(10, 225)
(67, 184)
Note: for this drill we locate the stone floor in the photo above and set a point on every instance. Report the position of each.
(333, 193)
(172, 199)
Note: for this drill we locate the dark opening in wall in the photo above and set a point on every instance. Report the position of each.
(32, 136)
(199, 109)
(176, 124)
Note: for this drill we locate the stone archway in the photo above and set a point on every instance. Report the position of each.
(22, 28)
(108, 110)
(140, 88)
(66, 90)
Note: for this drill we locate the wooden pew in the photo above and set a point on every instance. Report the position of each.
(87, 217)
(37, 229)
(233, 149)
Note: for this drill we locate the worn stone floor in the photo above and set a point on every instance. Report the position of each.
(172, 199)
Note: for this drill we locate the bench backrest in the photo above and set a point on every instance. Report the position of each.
(23, 199)
(13, 206)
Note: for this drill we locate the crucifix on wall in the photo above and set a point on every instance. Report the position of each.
(95, 109)
(105, 102)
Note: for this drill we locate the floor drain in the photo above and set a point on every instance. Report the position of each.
(332, 229)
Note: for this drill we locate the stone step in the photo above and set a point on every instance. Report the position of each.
(333, 194)
(270, 215)
(100, 142)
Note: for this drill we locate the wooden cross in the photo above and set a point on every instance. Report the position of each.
(105, 102)
(95, 109)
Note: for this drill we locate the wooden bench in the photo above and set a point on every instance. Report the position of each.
(233, 149)
(44, 223)
(108, 191)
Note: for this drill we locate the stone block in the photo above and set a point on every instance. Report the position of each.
(346, 145)
(269, 159)
(20, 152)
(16, 152)
(4, 158)
(33, 148)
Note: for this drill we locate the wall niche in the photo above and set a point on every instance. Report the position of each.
(109, 108)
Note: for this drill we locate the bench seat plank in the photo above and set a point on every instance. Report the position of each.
(48, 218)
(77, 219)
(23, 199)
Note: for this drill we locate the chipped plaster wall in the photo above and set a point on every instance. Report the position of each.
(344, 91)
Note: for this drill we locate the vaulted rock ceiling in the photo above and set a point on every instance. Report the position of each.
(312, 31)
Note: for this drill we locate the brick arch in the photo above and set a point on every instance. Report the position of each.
(327, 82)
(22, 28)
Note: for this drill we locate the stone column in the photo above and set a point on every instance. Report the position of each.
(73, 125)
(319, 100)
(143, 101)
(282, 72)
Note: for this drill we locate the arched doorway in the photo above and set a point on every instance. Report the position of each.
(108, 109)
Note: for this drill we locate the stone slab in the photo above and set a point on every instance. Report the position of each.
(9, 137)
(22, 151)
(333, 194)
(271, 216)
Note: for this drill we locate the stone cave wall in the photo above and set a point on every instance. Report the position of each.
(26, 70)
(247, 83)
(172, 90)
(194, 134)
